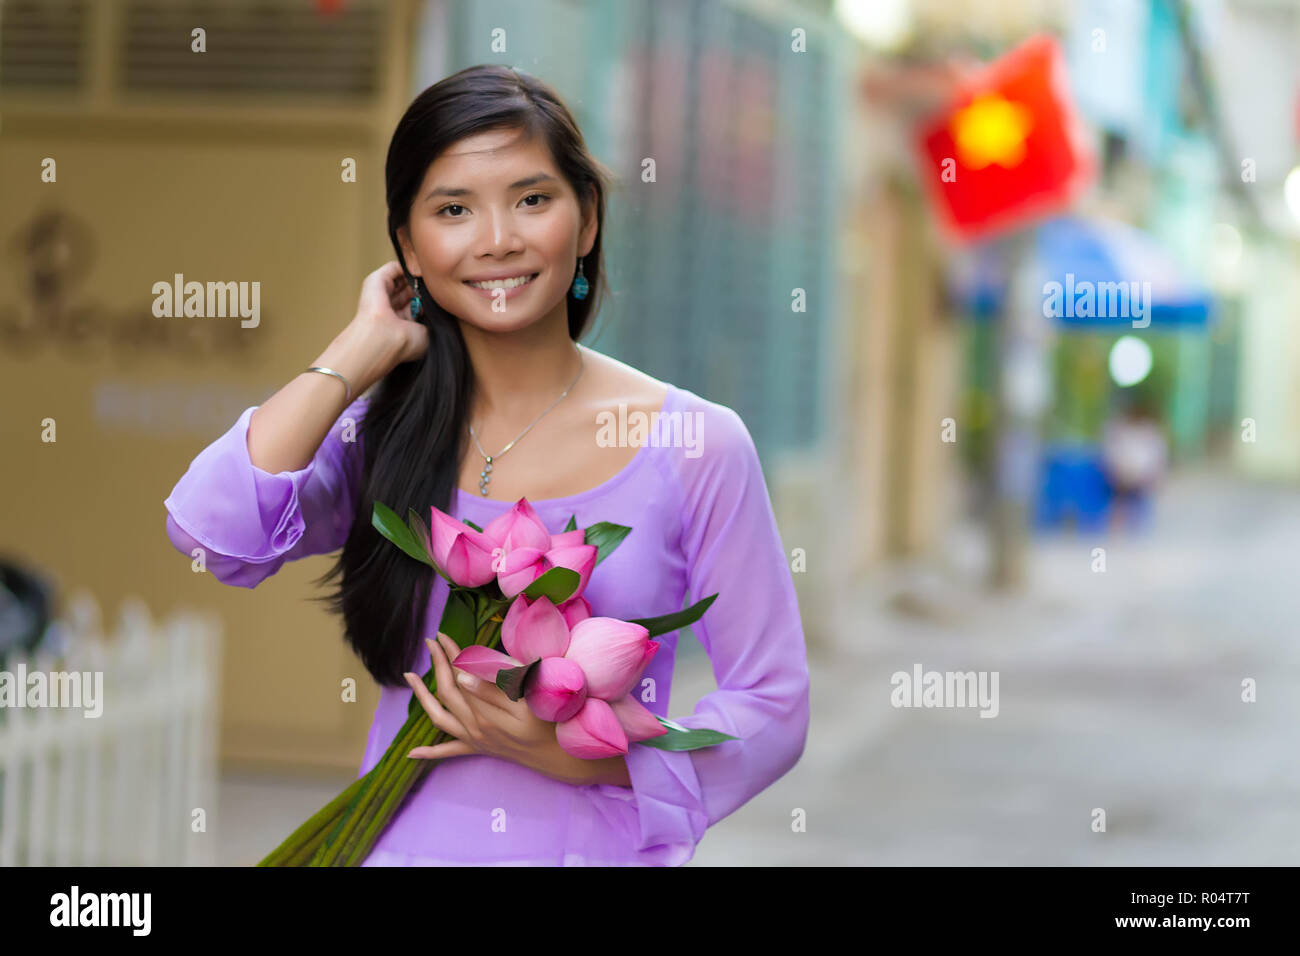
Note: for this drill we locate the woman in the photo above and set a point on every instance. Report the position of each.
(488, 178)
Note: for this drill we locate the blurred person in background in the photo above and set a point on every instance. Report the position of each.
(1135, 455)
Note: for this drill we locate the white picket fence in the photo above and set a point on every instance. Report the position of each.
(124, 788)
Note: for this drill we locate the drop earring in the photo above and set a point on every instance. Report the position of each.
(580, 283)
(415, 299)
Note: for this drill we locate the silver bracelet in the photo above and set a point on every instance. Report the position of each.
(330, 371)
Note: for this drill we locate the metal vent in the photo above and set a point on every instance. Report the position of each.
(253, 47)
(41, 44)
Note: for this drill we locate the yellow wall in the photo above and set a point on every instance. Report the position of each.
(218, 192)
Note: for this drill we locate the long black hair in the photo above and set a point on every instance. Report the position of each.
(414, 432)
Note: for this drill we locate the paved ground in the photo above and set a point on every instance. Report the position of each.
(1119, 691)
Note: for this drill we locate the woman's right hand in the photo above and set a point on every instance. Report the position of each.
(384, 307)
(287, 430)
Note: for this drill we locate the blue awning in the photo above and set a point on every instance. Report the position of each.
(1105, 274)
(1094, 274)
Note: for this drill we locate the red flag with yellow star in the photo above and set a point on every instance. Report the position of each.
(1010, 148)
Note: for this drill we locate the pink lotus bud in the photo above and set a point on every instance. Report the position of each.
(519, 568)
(637, 721)
(533, 630)
(592, 733)
(575, 609)
(484, 662)
(612, 653)
(580, 558)
(519, 528)
(463, 554)
(567, 539)
(556, 690)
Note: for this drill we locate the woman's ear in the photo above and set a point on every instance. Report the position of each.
(587, 237)
(408, 250)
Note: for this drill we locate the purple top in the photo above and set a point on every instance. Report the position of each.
(701, 521)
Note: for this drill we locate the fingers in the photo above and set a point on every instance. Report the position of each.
(449, 691)
(441, 718)
(389, 276)
(450, 748)
(488, 693)
(393, 277)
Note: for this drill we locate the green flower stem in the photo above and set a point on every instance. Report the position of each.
(341, 821)
(303, 856)
(343, 832)
(402, 772)
(411, 778)
(313, 830)
(370, 796)
(375, 781)
(417, 731)
(397, 791)
(423, 734)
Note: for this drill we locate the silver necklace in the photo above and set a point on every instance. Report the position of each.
(485, 475)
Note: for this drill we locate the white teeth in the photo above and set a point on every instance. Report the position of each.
(503, 283)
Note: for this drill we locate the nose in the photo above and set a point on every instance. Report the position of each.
(502, 235)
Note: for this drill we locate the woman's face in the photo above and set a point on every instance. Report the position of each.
(494, 206)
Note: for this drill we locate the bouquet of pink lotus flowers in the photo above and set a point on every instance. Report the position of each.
(516, 584)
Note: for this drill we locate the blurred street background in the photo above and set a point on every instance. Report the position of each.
(1004, 291)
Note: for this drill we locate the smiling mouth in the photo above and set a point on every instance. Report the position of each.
(503, 283)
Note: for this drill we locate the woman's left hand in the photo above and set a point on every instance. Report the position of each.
(485, 721)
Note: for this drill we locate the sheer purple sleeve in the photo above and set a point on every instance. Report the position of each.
(754, 638)
(247, 521)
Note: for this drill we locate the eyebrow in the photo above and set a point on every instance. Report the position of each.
(532, 180)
